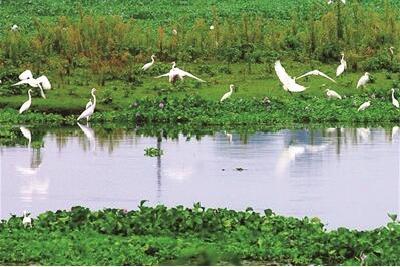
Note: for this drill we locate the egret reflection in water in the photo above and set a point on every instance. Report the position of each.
(329, 173)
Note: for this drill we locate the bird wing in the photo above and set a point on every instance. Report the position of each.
(88, 105)
(362, 81)
(44, 81)
(340, 69)
(335, 94)
(225, 96)
(146, 66)
(86, 113)
(307, 74)
(24, 106)
(26, 75)
(287, 82)
(164, 75)
(320, 73)
(183, 73)
(21, 82)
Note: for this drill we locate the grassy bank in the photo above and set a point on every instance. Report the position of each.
(160, 235)
(137, 98)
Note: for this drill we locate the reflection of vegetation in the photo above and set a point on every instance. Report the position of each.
(197, 235)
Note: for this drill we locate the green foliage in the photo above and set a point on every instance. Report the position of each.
(153, 152)
(197, 235)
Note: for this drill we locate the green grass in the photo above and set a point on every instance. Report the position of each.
(176, 236)
(71, 96)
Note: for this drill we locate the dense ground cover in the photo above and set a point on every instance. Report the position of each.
(160, 235)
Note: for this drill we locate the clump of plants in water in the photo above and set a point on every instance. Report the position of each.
(153, 152)
(161, 235)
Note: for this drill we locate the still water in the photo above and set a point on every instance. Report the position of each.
(345, 176)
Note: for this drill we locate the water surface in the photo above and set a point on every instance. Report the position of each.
(345, 176)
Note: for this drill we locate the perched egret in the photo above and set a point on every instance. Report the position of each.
(176, 73)
(42, 82)
(14, 28)
(27, 134)
(316, 73)
(228, 94)
(342, 67)
(391, 49)
(27, 220)
(395, 102)
(363, 80)
(331, 1)
(88, 104)
(90, 110)
(332, 94)
(288, 83)
(148, 65)
(364, 106)
(25, 106)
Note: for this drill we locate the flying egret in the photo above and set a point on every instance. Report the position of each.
(27, 134)
(176, 73)
(14, 28)
(42, 82)
(90, 110)
(228, 94)
(148, 65)
(316, 73)
(27, 220)
(395, 102)
(25, 106)
(88, 104)
(364, 106)
(288, 83)
(332, 94)
(363, 80)
(342, 67)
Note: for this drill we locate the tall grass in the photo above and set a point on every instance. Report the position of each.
(110, 44)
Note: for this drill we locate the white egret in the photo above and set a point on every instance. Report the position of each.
(90, 110)
(228, 94)
(395, 131)
(42, 82)
(364, 106)
(27, 134)
(363, 80)
(176, 73)
(25, 106)
(27, 220)
(332, 94)
(395, 102)
(391, 49)
(174, 32)
(14, 28)
(88, 104)
(288, 83)
(316, 73)
(342, 67)
(331, 1)
(148, 65)
(27, 74)
(212, 27)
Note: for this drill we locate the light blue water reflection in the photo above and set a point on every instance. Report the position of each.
(347, 177)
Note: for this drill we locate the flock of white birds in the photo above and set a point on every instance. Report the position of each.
(289, 84)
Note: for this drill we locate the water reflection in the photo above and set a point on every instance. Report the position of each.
(347, 176)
